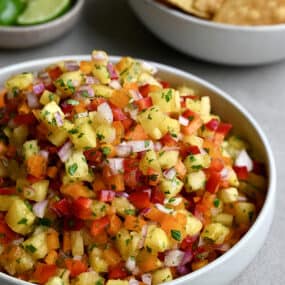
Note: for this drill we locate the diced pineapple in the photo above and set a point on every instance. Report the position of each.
(193, 225)
(97, 261)
(193, 105)
(101, 73)
(102, 91)
(205, 109)
(68, 81)
(30, 148)
(232, 177)
(167, 99)
(57, 136)
(54, 281)
(88, 278)
(146, 78)
(36, 245)
(224, 218)
(195, 181)
(50, 114)
(229, 195)
(132, 72)
(105, 133)
(171, 187)
(149, 160)
(19, 135)
(19, 81)
(19, 217)
(77, 244)
(245, 213)
(194, 162)
(127, 243)
(77, 168)
(185, 91)
(123, 206)
(161, 275)
(83, 136)
(193, 140)
(156, 239)
(48, 97)
(168, 159)
(215, 232)
(37, 191)
(99, 209)
(6, 201)
(117, 282)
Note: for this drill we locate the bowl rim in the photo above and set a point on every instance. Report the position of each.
(272, 173)
(75, 8)
(210, 24)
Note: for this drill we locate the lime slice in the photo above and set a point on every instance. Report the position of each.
(40, 11)
(10, 10)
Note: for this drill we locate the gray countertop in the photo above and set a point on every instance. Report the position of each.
(111, 26)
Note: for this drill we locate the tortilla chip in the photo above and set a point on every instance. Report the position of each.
(251, 12)
(208, 6)
(188, 6)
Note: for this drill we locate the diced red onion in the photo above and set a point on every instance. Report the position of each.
(133, 281)
(173, 257)
(182, 270)
(139, 146)
(143, 236)
(147, 278)
(18, 241)
(131, 264)
(77, 257)
(123, 150)
(33, 100)
(243, 159)
(149, 67)
(135, 94)
(105, 111)
(169, 173)
(133, 113)
(122, 194)
(215, 211)
(38, 88)
(183, 121)
(224, 173)
(157, 146)
(115, 84)
(71, 65)
(82, 115)
(163, 209)
(201, 241)
(112, 72)
(116, 165)
(40, 208)
(86, 89)
(242, 199)
(188, 256)
(44, 154)
(174, 201)
(223, 247)
(89, 80)
(44, 75)
(65, 152)
(58, 118)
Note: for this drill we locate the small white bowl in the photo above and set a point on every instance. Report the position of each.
(28, 36)
(232, 263)
(214, 42)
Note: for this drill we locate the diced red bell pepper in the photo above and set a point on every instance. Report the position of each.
(4, 117)
(71, 223)
(157, 196)
(130, 164)
(224, 128)
(82, 208)
(127, 123)
(144, 103)
(190, 115)
(118, 272)
(140, 200)
(8, 190)
(44, 272)
(132, 178)
(193, 149)
(164, 84)
(168, 140)
(241, 171)
(6, 235)
(66, 108)
(62, 207)
(75, 267)
(55, 72)
(93, 155)
(107, 195)
(213, 125)
(188, 242)
(213, 182)
(95, 103)
(25, 119)
(216, 164)
(99, 225)
(32, 179)
(147, 88)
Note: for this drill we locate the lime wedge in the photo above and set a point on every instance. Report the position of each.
(40, 11)
(10, 10)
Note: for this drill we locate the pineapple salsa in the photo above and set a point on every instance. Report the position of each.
(109, 175)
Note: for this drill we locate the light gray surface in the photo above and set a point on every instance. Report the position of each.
(111, 26)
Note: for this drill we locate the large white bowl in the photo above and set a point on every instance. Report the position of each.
(232, 263)
(219, 43)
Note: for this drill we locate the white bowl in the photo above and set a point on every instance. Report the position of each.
(28, 36)
(219, 43)
(232, 263)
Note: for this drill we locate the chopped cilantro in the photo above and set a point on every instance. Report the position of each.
(167, 96)
(130, 212)
(146, 144)
(251, 215)
(100, 137)
(73, 131)
(176, 235)
(45, 222)
(106, 150)
(72, 102)
(216, 203)
(197, 167)
(72, 169)
(23, 221)
(30, 248)
(70, 85)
